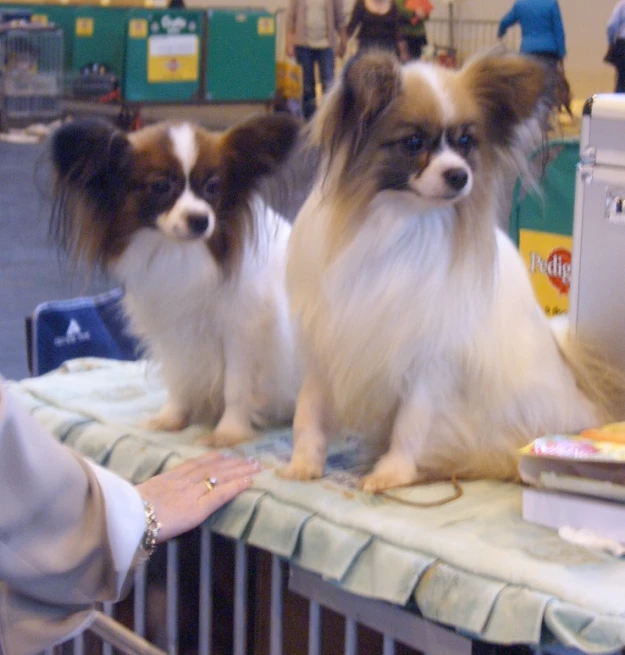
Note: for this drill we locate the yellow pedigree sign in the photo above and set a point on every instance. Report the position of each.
(173, 58)
(84, 27)
(548, 260)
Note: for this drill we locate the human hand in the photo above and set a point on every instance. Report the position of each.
(181, 497)
(341, 48)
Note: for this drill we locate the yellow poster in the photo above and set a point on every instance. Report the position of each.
(84, 27)
(173, 58)
(138, 28)
(548, 260)
(266, 26)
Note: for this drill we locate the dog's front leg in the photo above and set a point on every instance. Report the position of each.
(235, 424)
(398, 466)
(310, 441)
(172, 417)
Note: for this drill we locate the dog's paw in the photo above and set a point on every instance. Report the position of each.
(232, 429)
(225, 438)
(166, 420)
(301, 470)
(390, 471)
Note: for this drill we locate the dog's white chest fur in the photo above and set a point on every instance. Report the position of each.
(401, 317)
(200, 327)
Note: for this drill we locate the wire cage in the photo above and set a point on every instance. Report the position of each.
(31, 73)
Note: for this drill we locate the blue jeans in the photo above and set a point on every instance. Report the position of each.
(306, 58)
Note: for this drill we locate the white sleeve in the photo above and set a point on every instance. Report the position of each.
(68, 534)
(125, 517)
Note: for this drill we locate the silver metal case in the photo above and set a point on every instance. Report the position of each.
(597, 297)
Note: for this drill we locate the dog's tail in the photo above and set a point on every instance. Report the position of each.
(600, 380)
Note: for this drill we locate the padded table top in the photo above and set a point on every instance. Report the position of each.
(472, 564)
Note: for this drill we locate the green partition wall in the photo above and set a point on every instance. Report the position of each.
(99, 35)
(171, 56)
(240, 55)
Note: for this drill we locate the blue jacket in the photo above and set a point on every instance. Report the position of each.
(541, 26)
(616, 24)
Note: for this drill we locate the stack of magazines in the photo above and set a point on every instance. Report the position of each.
(577, 481)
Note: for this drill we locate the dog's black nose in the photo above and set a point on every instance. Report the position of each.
(457, 178)
(198, 224)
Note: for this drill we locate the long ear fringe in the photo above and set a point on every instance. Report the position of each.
(82, 156)
(369, 82)
(528, 124)
(262, 158)
(288, 187)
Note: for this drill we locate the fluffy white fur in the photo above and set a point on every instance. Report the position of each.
(420, 328)
(174, 214)
(225, 347)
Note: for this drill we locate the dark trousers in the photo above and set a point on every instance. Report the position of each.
(306, 58)
(415, 45)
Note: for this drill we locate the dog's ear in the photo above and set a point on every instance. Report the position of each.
(91, 160)
(259, 146)
(89, 157)
(508, 89)
(267, 155)
(369, 83)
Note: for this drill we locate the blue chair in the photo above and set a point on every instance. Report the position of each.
(93, 326)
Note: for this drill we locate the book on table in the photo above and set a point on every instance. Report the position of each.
(577, 481)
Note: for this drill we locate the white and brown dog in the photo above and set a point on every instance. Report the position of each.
(415, 313)
(174, 213)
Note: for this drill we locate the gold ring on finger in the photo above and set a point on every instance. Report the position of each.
(210, 483)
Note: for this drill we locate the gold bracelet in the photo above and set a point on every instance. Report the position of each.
(152, 526)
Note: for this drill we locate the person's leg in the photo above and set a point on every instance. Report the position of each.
(415, 46)
(620, 81)
(304, 57)
(326, 67)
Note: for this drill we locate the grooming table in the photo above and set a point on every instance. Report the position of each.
(472, 564)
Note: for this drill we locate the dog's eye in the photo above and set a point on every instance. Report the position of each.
(211, 187)
(466, 141)
(413, 144)
(161, 187)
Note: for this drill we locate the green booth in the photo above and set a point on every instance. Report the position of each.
(162, 62)
(240, 55)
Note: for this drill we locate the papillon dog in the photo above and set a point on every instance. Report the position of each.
(176, 215)
(415, 313)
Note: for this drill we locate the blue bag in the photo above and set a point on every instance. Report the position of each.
(79, 327)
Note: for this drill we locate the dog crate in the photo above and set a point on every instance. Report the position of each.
(31, 73)
(271, 607)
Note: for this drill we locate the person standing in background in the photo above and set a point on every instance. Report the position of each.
(542, 37)
(412, 17)
(315, 32)
(378, 25)
(616, 43)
